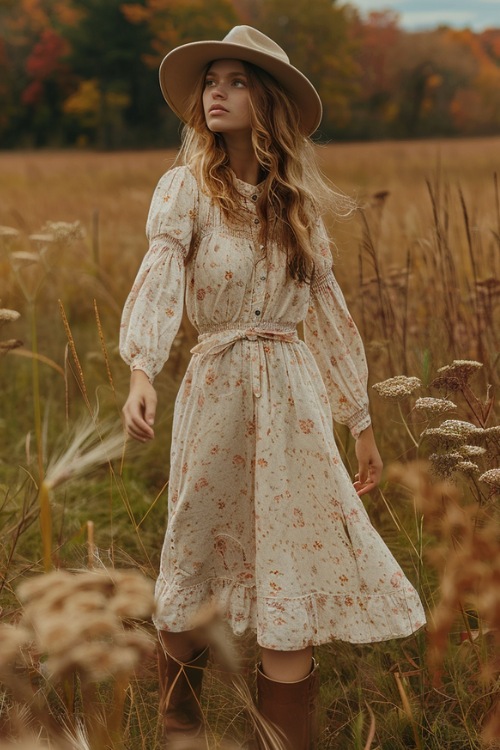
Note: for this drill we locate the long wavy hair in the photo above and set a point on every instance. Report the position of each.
(294, 191)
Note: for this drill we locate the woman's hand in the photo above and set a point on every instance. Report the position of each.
(140, 407)
(369, 463)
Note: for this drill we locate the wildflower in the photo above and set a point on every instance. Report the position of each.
(436, 405)
(8, 316)
(23, 258)
(492, 477)
(455, 376)
(64, 231)
(451, 433)
(460, 427)
(493, 432)
(79, 621)
(8, 237)
(472, 450)
(42, 239)
(444, 464)
(467, 467)
(397, 388)
(8, 231)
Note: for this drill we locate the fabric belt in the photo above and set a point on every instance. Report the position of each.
(211, 344)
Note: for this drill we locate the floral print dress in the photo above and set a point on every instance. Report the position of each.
(263, 520)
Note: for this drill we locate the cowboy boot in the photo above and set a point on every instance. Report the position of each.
(291, 708)
(180, 690)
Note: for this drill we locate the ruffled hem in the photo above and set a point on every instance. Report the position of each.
(293, 623)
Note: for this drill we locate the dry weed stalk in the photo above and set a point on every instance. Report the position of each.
(77, 629)
(466, 554)
(8, 316)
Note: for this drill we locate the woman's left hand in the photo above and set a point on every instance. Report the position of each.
(369, 463)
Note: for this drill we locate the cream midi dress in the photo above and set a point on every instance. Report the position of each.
(263, 521)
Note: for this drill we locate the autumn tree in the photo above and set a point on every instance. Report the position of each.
(476, 107)
(174, 22)
(375, 107)
(22, 24)
(108, 56)
(317, 40)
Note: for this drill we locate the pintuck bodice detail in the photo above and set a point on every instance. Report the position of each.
(263, 522)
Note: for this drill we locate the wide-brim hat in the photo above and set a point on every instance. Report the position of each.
(181, 69)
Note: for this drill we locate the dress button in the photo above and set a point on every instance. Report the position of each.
(256, 221)
(262, 278)
(254, 197)
(257, 312)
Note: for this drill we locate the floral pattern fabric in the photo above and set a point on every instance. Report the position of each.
(263, 519)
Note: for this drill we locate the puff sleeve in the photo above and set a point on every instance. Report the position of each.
(153, 310)
(334, 340)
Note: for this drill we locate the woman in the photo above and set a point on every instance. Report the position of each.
(264, 523)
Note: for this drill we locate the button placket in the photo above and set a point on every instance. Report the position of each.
(259, 286)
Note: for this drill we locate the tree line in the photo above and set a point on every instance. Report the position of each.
(85, 72)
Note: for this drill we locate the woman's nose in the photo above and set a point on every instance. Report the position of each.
(218, 92)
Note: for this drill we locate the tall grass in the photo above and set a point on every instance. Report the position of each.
(420, 267)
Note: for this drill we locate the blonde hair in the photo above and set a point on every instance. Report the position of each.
(294, 193)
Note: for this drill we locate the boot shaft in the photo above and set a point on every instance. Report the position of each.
(291, 707)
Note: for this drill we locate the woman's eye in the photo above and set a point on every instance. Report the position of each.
(209, 82)
(238, 82)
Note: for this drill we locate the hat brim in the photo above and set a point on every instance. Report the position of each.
(181, 69)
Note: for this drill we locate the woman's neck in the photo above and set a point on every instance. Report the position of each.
(242, 160)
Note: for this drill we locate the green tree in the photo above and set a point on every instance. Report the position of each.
(109, 50)
(317, 39)
(175, 22)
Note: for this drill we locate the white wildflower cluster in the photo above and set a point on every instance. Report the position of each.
(493, 432)
(8, 238)
(398, 387)
(452, 432)
(453, 438)
(455, 376)
(434, 405)
(41, 238)
(82, 622)
(8, 232)
(62, 231)
(473, 450)
(444, 464)
(8, 316)
(492, 477)
(467, 467)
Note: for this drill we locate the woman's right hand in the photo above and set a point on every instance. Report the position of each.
(140, 407)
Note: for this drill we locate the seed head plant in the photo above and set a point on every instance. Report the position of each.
(78, 632)
(456, 490)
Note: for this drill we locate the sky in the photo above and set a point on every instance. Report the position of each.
(424, 14)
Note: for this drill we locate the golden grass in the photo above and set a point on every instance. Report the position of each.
(420, 266)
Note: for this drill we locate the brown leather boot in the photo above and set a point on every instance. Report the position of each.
(180, 690)
(291, 708)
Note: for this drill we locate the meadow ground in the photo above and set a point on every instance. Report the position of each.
(419, 264)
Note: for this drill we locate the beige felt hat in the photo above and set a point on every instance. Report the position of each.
(181, 69)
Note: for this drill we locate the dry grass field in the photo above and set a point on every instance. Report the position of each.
(420, 266)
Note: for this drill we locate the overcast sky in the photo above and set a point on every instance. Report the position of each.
(418, 14)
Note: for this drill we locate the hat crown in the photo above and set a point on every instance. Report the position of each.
(250, 38)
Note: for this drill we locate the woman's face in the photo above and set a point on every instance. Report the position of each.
(226, 99)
